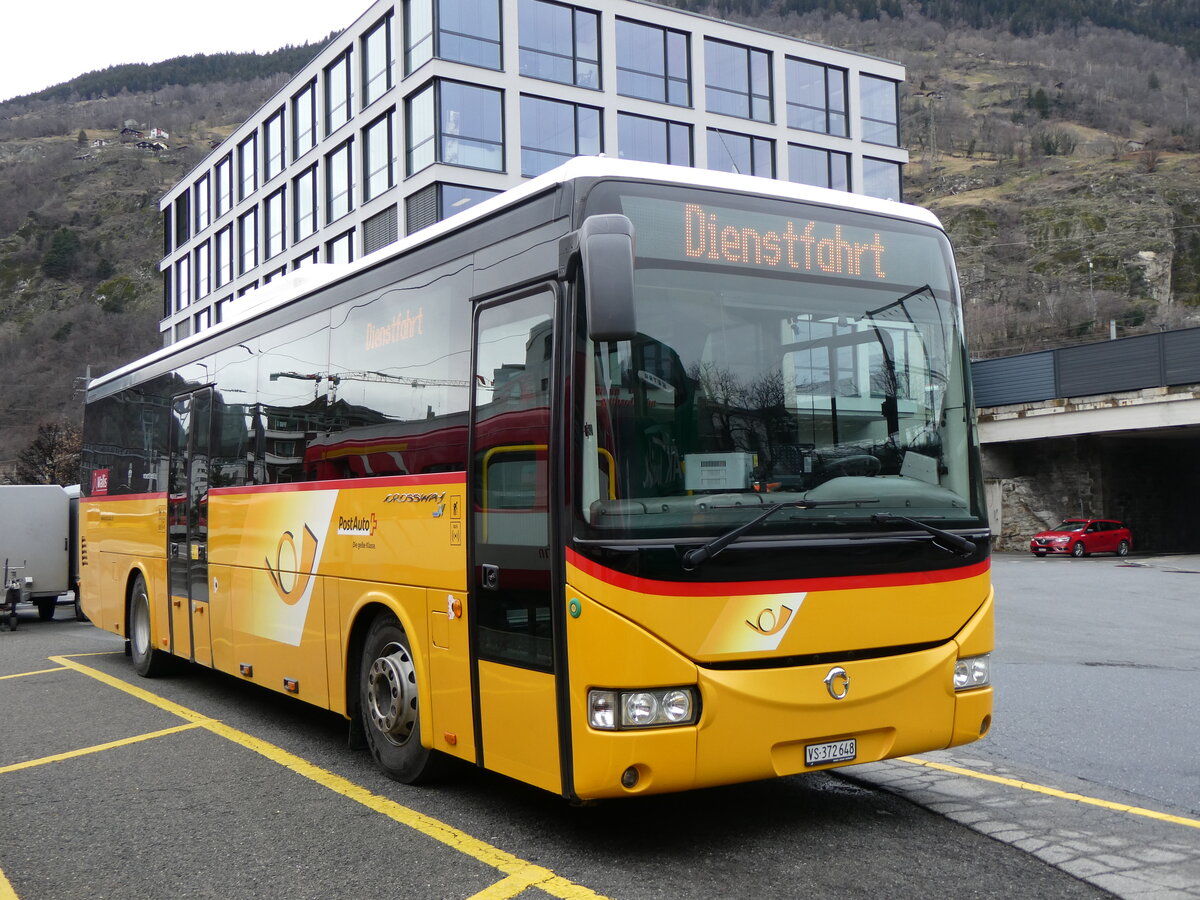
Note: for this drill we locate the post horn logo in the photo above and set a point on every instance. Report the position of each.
(838, 683)
(281, 574)
(769, 622)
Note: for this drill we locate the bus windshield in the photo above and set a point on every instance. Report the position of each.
(784, 352)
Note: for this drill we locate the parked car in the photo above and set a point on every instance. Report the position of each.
(1082, 537)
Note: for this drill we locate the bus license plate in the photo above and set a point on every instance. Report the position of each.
(833, 752)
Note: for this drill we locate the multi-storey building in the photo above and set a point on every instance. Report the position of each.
(423, 107)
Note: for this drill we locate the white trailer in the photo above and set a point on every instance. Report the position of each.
(35, 544)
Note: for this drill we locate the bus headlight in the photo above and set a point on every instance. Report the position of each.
(650, 708)
(972, 672)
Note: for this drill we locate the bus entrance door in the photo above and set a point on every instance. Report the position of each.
(512, 587)
(187, 525)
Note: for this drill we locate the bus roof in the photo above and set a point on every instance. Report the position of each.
(314, 276)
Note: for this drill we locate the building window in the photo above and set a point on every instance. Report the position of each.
(339, 182)
(203, 264)
(224, 250)
(654, 140)
(377, 61)
(552, 132)
(222, 309)
(560, 43)
(440, 201)
(202, 320)
(183, 283)
(248, 241)
(275, 273)
(816, 97)
(737, 80)
(457, 124)
(274, 216)
(224, 176)
(304, 120)
(273, 138)
(452, 30)
(380, 230)
(307, 259)
(338, 102)
(247, 167)
(880, 99)
(378, 171)
(183, 218)
(653, 63)
(304, 196)
(341, 248)
(818, 167)
(881, 178)
(740, 153)
(201, 192)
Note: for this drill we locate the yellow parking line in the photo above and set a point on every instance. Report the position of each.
(84, 751)
(517, 870)
(1054, 792)
(38, 672)
(6, 888)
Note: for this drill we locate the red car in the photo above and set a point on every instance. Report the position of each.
(1082, 537)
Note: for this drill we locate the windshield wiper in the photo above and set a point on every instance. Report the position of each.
(959, 545)
(697, 556)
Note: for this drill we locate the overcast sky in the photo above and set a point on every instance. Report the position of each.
(46, 42)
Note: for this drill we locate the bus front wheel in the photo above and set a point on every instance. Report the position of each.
(147, 661)
(387, 684)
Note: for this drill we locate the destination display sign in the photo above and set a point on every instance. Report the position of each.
(812, 242)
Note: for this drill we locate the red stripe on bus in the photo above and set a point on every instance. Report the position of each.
(782, 586)
(333, 484)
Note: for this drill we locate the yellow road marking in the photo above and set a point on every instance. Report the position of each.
(1054, 792)
(6, 888)
(518, 870)
(84, 751)
(38, 672)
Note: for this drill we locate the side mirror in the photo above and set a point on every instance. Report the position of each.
(605, 245)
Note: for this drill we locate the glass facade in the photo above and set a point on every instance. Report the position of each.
(653, 63)
(339, 182)
(741, 154)
(816, 97)
(304, 120)
(880, 98)
(560, 43)
(818, 167)
(552, 132)
(452, 30)
(377, 61)
(654, 140)
(326, 152)
(378, 172)
(338, 92)
(737, 80)
(457, 124)
(273, 138)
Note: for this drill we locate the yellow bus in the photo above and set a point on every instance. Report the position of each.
(633, 479)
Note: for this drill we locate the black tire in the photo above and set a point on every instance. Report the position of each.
(388, 705)
(80, 615)
(1078, 550)
(147, 661)
(1123, 548)
(46, 607)
(1039, 553)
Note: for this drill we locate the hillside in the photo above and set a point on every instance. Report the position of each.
(1064, 162)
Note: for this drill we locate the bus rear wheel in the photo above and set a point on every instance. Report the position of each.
(388, 704)
(147, 661)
